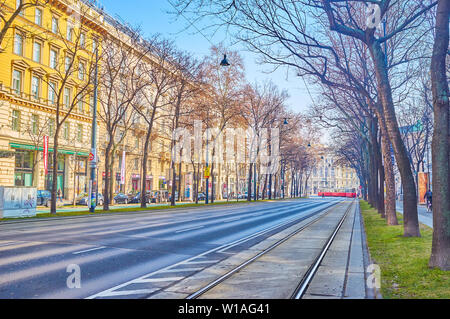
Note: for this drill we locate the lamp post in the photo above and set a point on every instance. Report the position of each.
(93, 185)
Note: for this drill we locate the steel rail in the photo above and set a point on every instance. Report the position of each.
(308, 277)
(222, 278)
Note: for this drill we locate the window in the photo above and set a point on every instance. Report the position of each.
(94, 45)
(37, 47)
(23, 172)
(67, 97)
(38, 16)
(35, 86)
(54, 25)
(18, 2)
(17, 82)
(67, 63)
(34, 123)
(80, 133)
(15, 125)
(81, 105)
(81, 71)
(69, 33)
(136, 163)
(91, 105)
(52, 93)
(53, 58)
(51, 127)
(18, 44)
(83, 40)
(66, 130)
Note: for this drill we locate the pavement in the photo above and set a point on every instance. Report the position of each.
(136, 255)
(424, 217)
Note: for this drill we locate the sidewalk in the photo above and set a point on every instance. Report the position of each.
(424, 217)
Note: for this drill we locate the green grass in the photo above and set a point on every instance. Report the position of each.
(403, 261)
(136, 209)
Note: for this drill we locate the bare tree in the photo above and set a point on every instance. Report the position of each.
(154, 102)
(122, 80)
(8, 15)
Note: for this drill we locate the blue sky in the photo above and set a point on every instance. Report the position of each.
(152, 17)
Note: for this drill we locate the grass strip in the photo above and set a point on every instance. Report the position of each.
(403, 261)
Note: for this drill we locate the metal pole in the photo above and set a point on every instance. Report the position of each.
(207, 165)
(93, 186)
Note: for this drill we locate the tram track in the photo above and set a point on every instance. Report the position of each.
(308, 276)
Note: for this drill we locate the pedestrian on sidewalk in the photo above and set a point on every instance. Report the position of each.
(60, 195)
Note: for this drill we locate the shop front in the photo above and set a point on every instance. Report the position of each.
(23, 170)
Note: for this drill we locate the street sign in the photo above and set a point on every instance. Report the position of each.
(91, 157)
(207, 172)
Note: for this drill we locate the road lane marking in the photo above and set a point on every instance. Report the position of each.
(229, 220)
(188, 229)
(181, 270)
(88, 250)
(150, 280)
(127, 292)
(10, 243)
(202, 262)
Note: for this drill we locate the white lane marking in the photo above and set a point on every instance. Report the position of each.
(88, 250)
(188, 229)
(181, 270)
(229, 220)
(127, 292)
(10, 243)
(149, 280)
(202, 262)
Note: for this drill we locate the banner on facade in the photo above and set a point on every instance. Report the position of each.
(45, 151)
(122, 170)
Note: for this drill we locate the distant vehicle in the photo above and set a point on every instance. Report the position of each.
(201, 196)
(136, 198)
(43, 198)
(121, 198)
(83, 199)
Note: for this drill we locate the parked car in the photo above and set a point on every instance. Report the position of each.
(43, 198)
(83, 199)
(136, 198)
(201, 196)
(121, 198)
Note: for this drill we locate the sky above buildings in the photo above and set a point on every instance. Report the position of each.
(153, 17)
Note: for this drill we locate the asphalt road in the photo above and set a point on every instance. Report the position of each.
(37, 258)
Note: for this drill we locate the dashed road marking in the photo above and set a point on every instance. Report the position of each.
(88, 250)
(150, 280)
(188, 229)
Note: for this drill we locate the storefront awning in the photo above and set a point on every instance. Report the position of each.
(33, 148)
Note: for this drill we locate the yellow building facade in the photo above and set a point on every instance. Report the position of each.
(45, 59)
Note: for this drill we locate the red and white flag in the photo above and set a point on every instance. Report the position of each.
(46, 138)
(122, 170)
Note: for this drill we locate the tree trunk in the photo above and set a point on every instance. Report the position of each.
(390, 206)
(411, 219)
(440, 255)
(249, 190)
(54, 172)
(381, 180)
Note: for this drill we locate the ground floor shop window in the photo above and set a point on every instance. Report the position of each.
(60, 180)
(23, 172)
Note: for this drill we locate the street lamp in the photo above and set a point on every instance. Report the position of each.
(94, 190)
(224, 61)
